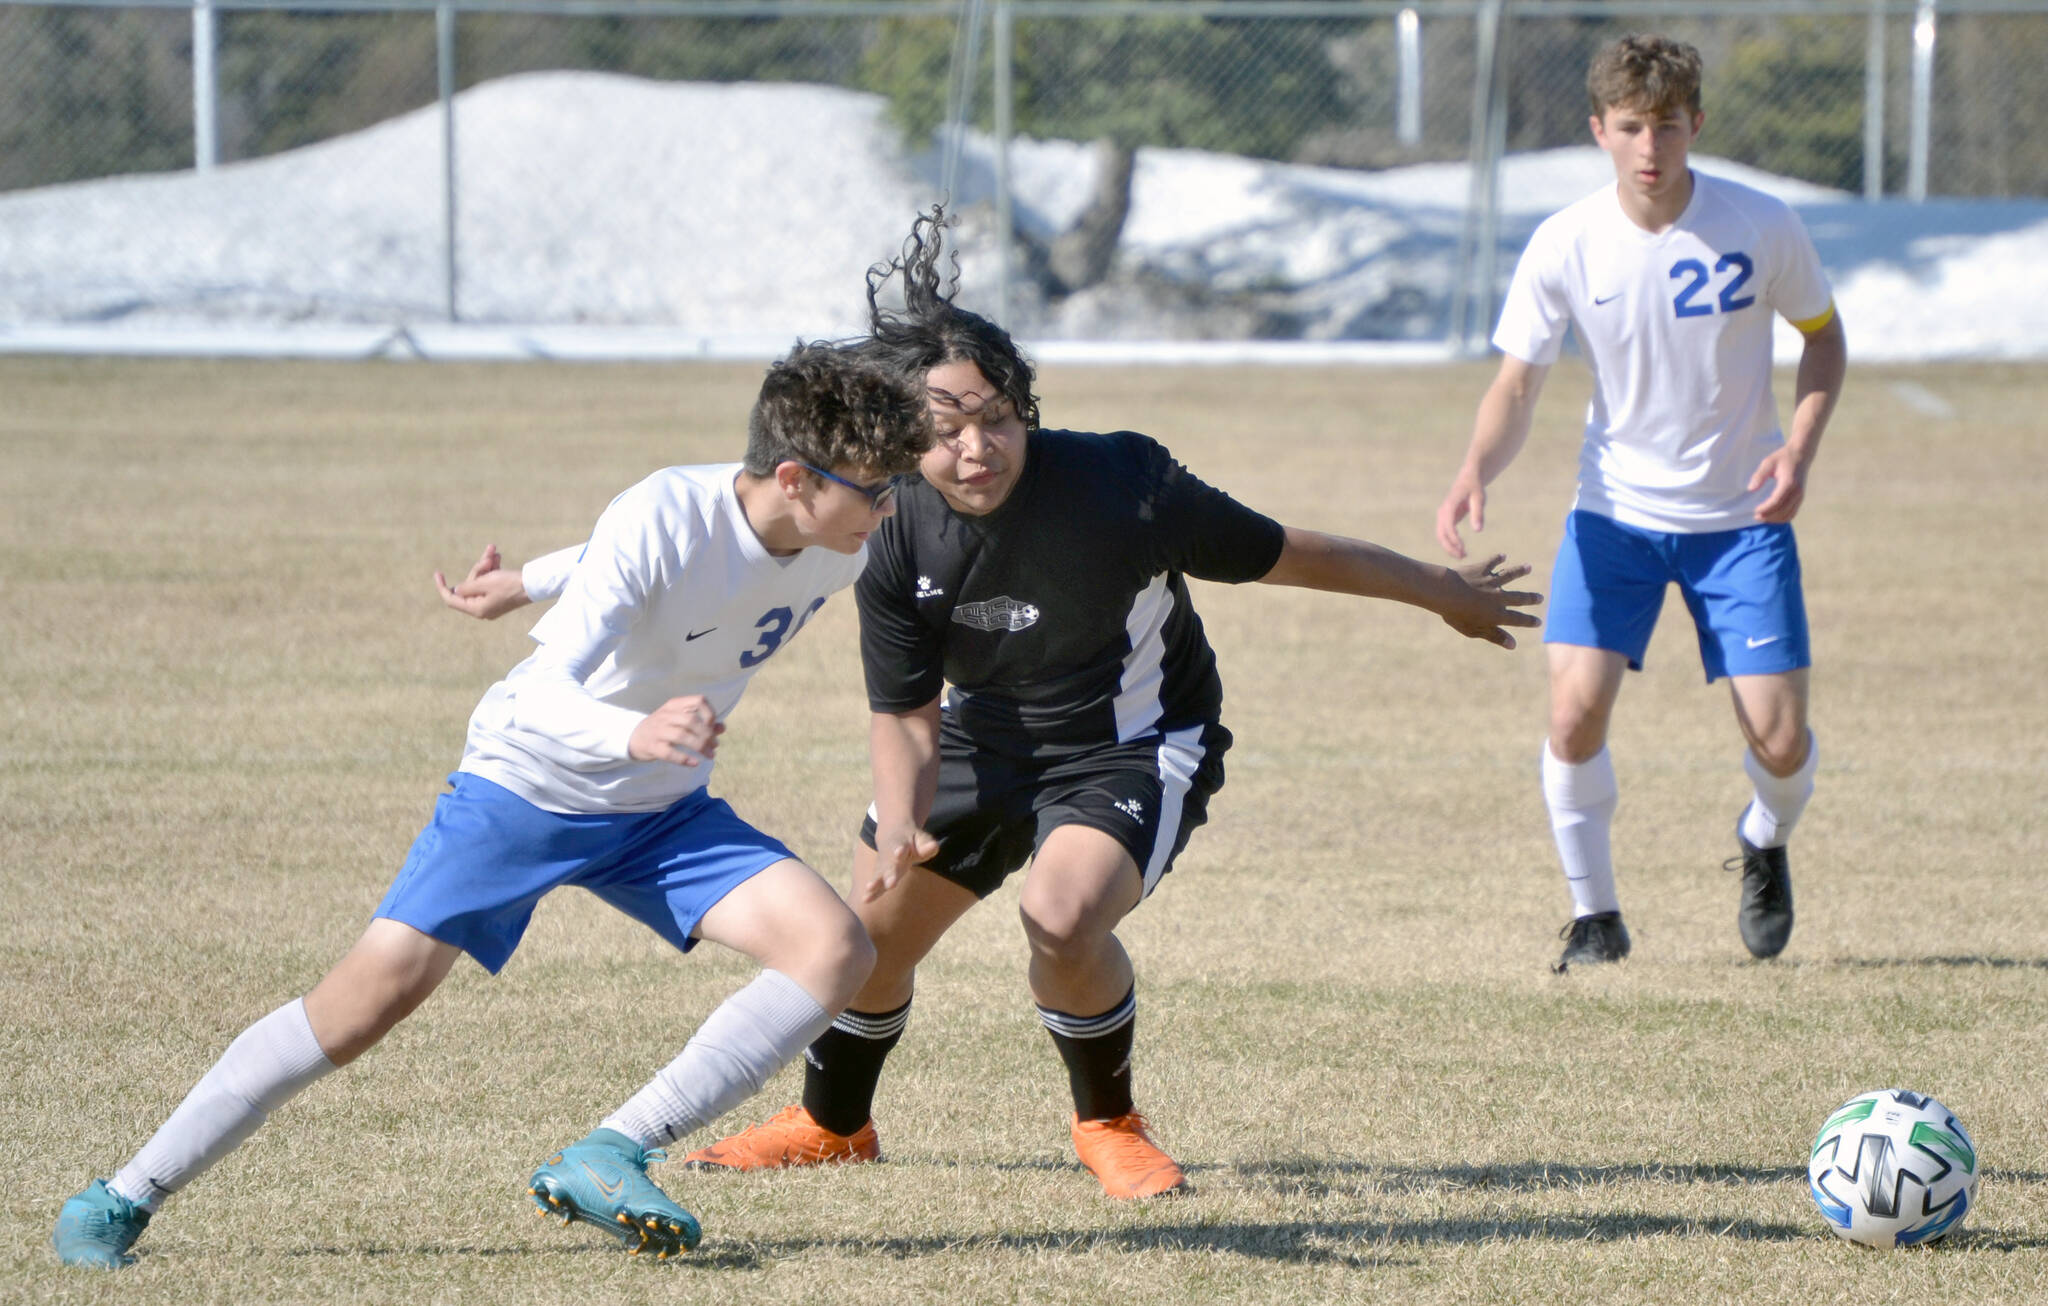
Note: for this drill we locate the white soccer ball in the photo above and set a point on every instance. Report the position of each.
(1892, 1169)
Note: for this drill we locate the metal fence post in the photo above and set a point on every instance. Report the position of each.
(205, 97)
(1408, 78)
(444, 58)
(1478, 252)
(1002, 89)
(960, 95)
(1923, 101)
(1873, 104)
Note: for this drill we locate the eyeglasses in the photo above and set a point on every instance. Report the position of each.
(879, 497)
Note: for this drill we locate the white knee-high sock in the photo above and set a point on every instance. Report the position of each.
(261, 1070)
(751, 1035)
(1582, 799)
(1768, 821)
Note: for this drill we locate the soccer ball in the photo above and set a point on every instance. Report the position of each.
(1892, 1169)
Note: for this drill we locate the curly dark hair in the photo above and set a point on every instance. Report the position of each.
(931, 329)
(838, 405)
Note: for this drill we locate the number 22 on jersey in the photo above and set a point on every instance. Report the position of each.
(1698, 296)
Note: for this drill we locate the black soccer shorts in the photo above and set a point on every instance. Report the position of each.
(992, 813)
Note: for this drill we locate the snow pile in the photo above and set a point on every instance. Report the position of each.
(742, 216)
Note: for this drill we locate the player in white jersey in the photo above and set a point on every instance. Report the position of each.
(586, 765)
(1672, 280)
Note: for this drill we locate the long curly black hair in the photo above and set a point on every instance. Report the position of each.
(931, 329)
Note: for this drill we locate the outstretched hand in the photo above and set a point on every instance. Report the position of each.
(896, 851)
(489, 591)
(1485, 607)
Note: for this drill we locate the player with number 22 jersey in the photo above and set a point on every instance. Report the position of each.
(1674, 281)
(1676, 326)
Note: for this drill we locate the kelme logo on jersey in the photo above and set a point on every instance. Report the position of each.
(997, 614)
(925, 589)
(1130, 807)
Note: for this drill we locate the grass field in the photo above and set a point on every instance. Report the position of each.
(229, 697)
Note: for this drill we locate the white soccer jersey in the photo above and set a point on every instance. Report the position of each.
(673, 595)
(1676, 326)
(545, 576)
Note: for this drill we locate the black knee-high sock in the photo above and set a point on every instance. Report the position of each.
(843, 1066)
(1097, 1050)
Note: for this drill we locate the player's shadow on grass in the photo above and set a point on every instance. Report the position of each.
(1360, 1243)
(711, 1256)
(1967, 962)
(1351, 1244)
(1317, 1177)
(1368, 1244)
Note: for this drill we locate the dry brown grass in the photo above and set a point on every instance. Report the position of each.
(229, 697)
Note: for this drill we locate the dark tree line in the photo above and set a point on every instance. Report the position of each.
(96, 92)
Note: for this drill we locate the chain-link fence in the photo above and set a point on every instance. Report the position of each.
(1253, 169)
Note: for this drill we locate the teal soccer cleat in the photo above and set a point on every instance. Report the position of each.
(96, 1228)
(603, 1181)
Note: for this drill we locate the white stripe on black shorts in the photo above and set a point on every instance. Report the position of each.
(992, 813)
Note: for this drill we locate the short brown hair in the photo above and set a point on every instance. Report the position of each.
(1653, 73)
(838, 405)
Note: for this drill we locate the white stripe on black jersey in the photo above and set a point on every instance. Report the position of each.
(1062, 618)
(1138, 705)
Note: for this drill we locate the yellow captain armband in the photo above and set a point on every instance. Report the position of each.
(1813, 324)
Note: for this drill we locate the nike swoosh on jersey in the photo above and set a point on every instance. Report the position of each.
(1759, 643)
(1609, 299)
(698, 634)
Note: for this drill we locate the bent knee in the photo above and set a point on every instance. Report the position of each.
(838, 957)
(1578, 730)
(1059, 930)
(857, 955)
(1782, 753)
(1578, 740)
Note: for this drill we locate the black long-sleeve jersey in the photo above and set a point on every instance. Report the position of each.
(1062, 618)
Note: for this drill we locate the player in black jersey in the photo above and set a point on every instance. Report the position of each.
(1042, 575)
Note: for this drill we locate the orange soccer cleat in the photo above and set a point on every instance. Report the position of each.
(1126, 1160)
(789, 1137)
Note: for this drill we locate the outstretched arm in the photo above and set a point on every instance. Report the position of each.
(1471, 599)
(492, 589)
(1498, 433)
(903, 751)
(1822, 366)
(489, 591)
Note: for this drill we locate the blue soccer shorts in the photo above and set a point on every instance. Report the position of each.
(1742, 587)
(487, 856)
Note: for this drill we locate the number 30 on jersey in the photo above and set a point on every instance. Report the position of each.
(775, 627)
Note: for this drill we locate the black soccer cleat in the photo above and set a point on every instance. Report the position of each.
(1765, 917)
(1592, 940)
